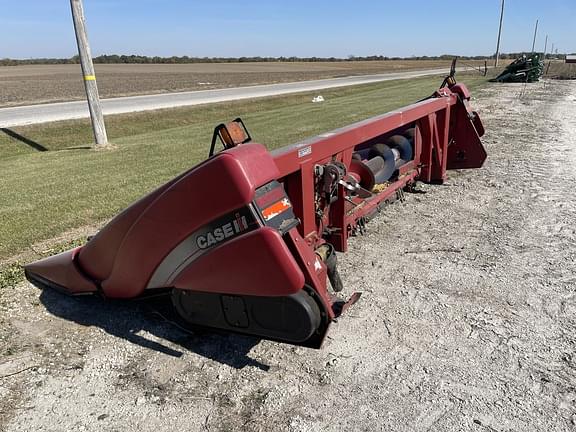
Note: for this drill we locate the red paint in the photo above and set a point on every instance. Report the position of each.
(125, 254)
(257, 263)
(61, 270)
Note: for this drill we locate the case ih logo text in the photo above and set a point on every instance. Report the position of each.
(229, 229)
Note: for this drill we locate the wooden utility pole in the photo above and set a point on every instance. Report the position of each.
(499, 34)
(535, 33)
(545, 48)
(88, 74)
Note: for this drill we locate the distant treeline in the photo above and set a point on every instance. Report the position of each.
(138, 59)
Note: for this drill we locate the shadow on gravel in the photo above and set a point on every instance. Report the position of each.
(126, 319)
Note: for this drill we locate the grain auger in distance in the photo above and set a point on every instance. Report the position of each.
(246, 240)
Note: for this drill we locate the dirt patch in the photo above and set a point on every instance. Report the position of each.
(467, 321)
(23, 85)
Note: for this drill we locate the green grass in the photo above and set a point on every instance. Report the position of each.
(45, 193)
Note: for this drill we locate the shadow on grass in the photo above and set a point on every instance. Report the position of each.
(23, 139)
(76, 148)
(127, 319)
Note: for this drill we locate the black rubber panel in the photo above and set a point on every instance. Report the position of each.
(403, 145)
(294, 319)
(383, 151)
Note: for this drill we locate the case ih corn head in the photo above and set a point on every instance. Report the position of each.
(245, 241)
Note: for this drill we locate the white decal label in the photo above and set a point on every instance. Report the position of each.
(304, 151)
(222, 232)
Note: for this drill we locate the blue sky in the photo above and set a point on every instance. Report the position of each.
(43, 28)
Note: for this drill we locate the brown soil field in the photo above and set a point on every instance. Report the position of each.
(31, 84)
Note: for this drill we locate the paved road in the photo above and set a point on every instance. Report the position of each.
(32, 114)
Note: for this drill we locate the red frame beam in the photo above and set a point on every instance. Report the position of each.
(432, 120)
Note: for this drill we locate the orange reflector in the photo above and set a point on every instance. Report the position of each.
(275, 209)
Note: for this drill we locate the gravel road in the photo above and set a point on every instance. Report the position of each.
(467, 322)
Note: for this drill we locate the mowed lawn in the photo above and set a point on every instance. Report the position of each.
(46, 193)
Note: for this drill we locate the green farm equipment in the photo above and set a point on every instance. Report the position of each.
(523, 69)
